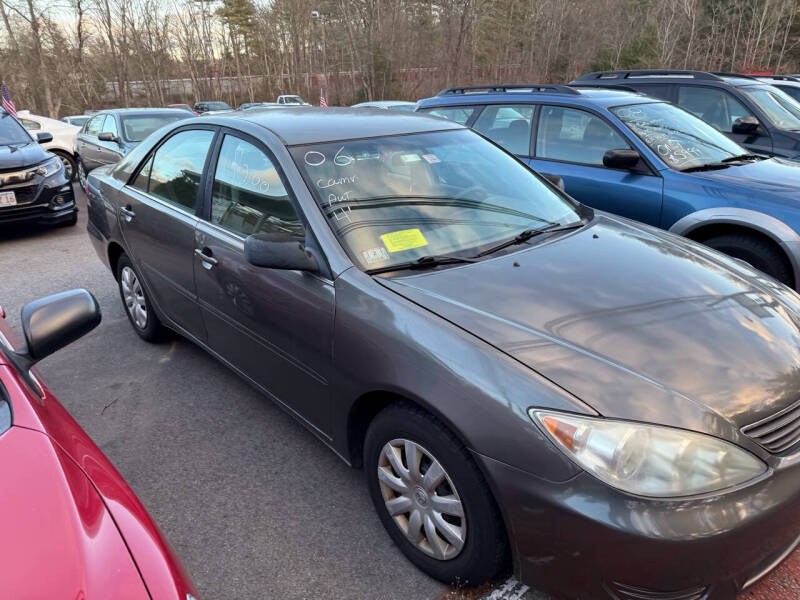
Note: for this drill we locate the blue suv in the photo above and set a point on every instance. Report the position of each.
(645, 159)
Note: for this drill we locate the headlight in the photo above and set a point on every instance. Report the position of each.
(51, 167)
(649, 460)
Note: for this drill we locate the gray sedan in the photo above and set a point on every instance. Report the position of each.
(610, 408)
(110, 134)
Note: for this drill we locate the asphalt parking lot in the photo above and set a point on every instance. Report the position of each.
(254, 505)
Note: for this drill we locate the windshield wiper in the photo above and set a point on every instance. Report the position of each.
(706, 167)
(742, 157)
(527, 234)
(424, 262)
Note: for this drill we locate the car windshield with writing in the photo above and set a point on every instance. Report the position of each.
(778, 106)
(680, 139)
(394, 200)
(137, 127)
(11, 132)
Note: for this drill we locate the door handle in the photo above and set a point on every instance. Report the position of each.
(205, 255)
(126, 212)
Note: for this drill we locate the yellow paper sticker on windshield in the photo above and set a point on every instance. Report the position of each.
(397, 241)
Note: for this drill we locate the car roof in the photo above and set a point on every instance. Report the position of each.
(313, 124)
(381, 103)
(783, 80)
(140, 111)
(574, 94)
(632, 76)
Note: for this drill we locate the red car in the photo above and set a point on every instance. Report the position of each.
(70, 527)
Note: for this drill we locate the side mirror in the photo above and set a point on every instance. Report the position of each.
(621, 159)
(279, 251)
(745, 125)
(52, 322)
(43, 137)
(556, 180)
(107, 136)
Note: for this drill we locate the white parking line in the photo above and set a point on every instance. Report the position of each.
(511, 589)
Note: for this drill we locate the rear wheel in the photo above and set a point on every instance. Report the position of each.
(432, 498)
(756, 251)
(137, 305)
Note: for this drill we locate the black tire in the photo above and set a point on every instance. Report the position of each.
(151, 330)
(82, 175)
(69, 163)
(485, 551)
(757, 252)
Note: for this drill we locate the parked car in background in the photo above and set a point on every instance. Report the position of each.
(645, 159)
(111, 134)
(517, 374)
(182, 106)
(248, 105)
(77, 120)
(401, 105)
(290, 99)
(64, 503)
(63, 142)
(756, 115)
(206, 106)
(787, 83)
(33, 184)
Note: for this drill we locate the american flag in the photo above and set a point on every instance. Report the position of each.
(8, 103)
(322, 101)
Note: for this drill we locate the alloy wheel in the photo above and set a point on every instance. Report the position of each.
(67, 166)
(421, 499)
(133, 294)
(82, 176)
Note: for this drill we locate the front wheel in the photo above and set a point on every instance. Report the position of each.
(70, 165)
(137, 305)
(431, 497)
(757, 252)
(83, 176)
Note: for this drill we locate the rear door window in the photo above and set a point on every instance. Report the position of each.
(573, 135)
(178, 167)
(508, 126)
(715, 106)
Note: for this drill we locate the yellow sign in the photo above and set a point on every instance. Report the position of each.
(397, 241)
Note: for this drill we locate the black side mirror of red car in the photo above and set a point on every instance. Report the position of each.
(52, 322)
(621, 159)
(43, 137)
(279, 251)
(745, 125)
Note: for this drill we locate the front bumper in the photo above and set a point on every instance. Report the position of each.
(582, 539)
(42, 204)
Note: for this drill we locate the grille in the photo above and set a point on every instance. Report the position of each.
(779, 432)
(620, 591)
(25, 194)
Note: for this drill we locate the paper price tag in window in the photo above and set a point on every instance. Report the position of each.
(406, 239)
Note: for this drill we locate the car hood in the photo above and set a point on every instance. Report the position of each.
(19, 156)
(59, 541)
(776, 175)
(636, 323)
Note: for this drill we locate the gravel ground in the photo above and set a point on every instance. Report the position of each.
(254, 505)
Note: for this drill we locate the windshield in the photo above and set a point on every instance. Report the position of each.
(393, 200)
(680, 139)
(782, 110)
(137, 127)
(11, 132)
